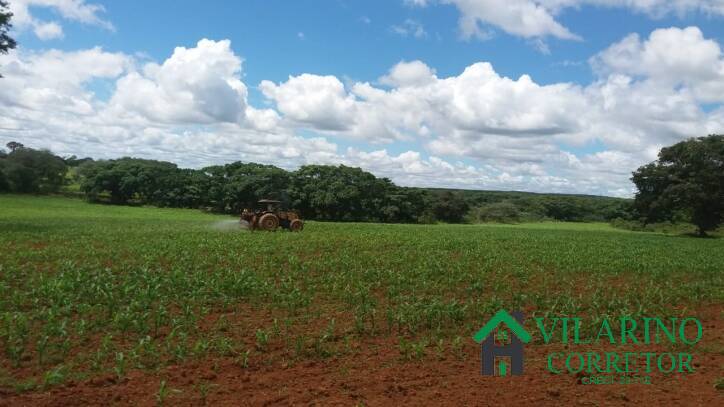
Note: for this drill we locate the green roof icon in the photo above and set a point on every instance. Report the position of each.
(502, 316)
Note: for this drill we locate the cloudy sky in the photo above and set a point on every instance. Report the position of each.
(533, 95)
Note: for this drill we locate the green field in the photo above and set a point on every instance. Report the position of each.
(92, 289)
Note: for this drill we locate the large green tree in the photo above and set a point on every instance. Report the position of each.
(449, 206)
(6, 42)
(131, 179)
(688, 177)
(344, 193)
(232, 187)
(14, 145)
(4, 183)
(26, 170)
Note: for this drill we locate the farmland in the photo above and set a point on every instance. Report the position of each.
(100, 300)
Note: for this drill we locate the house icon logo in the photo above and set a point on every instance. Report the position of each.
(501, 344)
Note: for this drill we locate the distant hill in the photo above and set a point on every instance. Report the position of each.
(519, 206)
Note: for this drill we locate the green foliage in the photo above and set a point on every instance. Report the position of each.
(4, 182)
(164, 392)
(14, 145)
(341, 193)
(318, 192)
(688, 176)
(26, 170)
(411, 350)
(230, 188)
(449, 206)
(129, 180)
(667, 227)
(74, 161)
(6, 42)
(513, 207)
(55, 376)
(262, 339)
(498, 212)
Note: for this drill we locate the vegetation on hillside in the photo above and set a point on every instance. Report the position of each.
(321, 192)
(684, 186)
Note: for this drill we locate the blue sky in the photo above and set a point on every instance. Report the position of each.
(355, 38)
(594, 108)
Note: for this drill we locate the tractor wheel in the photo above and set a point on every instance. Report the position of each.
(269, 222)
(296, 225)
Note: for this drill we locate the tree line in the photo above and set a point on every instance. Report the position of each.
(685, 184)
(321, 192)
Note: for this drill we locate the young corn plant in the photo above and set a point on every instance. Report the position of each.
(55, 376)
(120, 366)
(41, 347)
(411, 350)
(164, 392)
(262, 340)
(242, 360)
(204, 388)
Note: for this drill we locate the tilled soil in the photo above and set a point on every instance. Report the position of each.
(374, 374)
(375, 379)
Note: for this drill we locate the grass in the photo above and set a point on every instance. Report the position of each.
(91, 289)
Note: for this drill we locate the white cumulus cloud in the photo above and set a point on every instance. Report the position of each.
(190, 109)
(520, 130)
(474, 129)
(670, 57)
(414, 73)
(74, 10)
(195, 85)
(538, 18)
(318, 101)
(48, 31)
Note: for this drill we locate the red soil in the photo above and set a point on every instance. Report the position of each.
(374, 374)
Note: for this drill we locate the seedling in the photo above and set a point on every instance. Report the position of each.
(120, 367)
(55, 376)
(262, 340)
(242, 360)
(164, 392)
(203, 389)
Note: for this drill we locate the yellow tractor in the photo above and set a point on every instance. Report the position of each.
(268, 216)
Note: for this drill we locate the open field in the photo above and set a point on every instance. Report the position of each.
(146, 305)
